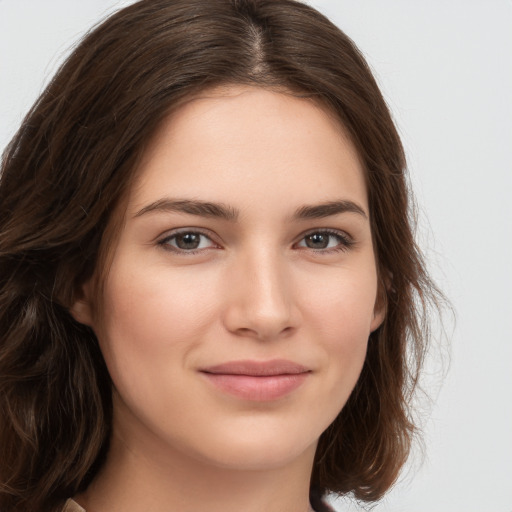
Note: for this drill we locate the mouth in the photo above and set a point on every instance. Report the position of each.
(257, 381)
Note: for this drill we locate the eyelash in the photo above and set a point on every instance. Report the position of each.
(345, 241)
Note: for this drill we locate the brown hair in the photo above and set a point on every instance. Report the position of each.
(72, 162)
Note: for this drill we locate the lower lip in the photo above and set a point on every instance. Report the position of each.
(257, 388)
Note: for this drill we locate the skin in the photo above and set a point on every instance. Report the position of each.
(254, 289)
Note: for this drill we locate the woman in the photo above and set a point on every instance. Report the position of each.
(209, 288)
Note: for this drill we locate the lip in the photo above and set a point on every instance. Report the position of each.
(257, 381)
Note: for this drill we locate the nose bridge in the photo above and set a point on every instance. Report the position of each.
(262, 301)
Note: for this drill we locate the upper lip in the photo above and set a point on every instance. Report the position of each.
(257, 368)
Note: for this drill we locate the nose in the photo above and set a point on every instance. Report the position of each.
(261, 301)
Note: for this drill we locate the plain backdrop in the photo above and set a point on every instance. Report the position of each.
(445, 67)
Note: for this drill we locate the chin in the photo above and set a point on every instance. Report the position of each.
(260, 449)
(258, 458)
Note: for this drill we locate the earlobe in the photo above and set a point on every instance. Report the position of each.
(81, 312)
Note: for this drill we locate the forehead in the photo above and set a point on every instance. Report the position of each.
(234, 144)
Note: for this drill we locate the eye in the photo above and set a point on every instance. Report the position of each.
(187, 242)
(326, 241)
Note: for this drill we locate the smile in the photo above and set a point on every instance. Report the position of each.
(257, 381)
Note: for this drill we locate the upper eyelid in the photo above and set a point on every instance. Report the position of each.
(174, 232)
(208, 232)
(330, 231)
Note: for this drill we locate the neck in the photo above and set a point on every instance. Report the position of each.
(135, 480)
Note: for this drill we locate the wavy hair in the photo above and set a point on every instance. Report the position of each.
(68, 169)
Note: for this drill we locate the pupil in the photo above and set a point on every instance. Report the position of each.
(188, 241)
(317, 241)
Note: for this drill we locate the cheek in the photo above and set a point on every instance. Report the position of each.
(342, 305)
(152, 319)
(339, 315)
(154, 322)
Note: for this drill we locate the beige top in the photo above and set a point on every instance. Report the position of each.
(73, 506)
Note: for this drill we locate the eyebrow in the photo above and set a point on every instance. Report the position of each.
(192, 207)
(222, 211)
(327, 209)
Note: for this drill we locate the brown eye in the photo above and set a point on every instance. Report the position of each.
(187, 241)
(326, 241)
(318, 240)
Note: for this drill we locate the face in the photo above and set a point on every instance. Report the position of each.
(242, 290)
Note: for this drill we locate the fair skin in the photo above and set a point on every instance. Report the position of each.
(251, 282)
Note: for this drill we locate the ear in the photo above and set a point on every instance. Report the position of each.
(381, 302)
(379, 313)
(81, 309)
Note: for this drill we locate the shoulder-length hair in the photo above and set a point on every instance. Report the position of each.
(69, 167)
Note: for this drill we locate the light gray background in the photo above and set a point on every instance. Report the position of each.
(445, 67)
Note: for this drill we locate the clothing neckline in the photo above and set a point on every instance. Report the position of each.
(72, 506)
